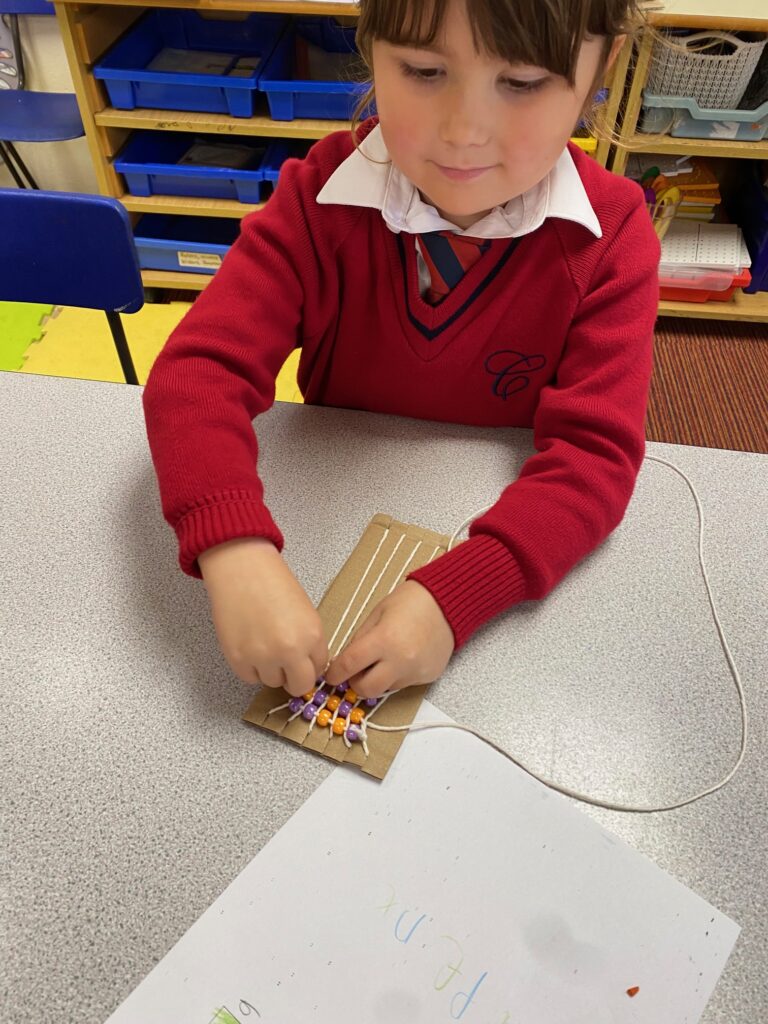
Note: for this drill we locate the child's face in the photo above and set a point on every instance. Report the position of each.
(468, 129)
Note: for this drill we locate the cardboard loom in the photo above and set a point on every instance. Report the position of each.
(417, 546)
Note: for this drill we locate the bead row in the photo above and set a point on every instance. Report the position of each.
(337, 708)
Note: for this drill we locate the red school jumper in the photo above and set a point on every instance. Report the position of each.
(552, 331)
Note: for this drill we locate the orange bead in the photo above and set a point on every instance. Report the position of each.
(339, 726)
(356, 715)
(323, 717)
(332, 703)
(351, 696)
(308, 695)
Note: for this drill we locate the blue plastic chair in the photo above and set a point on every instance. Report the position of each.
(27, 116)
(71, 250)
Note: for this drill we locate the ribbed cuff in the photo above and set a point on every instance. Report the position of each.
(219, 519)
(472, 583)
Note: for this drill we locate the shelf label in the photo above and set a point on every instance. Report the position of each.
(198, 259)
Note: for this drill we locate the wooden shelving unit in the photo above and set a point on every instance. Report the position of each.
(272, 6)
(747, 308)
(743, 15)
(641, 142)
(175, 279)
(90, 27)
(188, 205)
(219, 124)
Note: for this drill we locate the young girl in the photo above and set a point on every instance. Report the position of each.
(455, 259)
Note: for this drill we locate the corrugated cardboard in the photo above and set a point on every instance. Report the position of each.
(416, 547)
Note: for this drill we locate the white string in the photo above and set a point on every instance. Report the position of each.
(565, 790)
(357, 589)
(460, 529)
(342, 619)
(375, 585)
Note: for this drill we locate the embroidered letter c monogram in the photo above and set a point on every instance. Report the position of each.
(510, 371)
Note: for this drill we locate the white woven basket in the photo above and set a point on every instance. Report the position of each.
(714, 80)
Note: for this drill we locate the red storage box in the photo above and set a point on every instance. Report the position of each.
(708, 288)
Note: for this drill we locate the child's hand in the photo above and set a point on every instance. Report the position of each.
(404, 641)
(268, 629)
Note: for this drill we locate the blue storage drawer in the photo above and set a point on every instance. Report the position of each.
(327, 33)
(150, 163)
(749, 208)
(194, 245)
(227, 86)
(280, 151)
(291, 96)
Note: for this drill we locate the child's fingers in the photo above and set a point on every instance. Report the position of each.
(270, 675)
(363, 652)
(319, 657)
(300, 677)
(375, 681)
(245, 673)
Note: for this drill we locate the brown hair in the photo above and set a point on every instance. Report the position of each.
(542, 33)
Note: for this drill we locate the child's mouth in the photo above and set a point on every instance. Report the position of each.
(462, 173)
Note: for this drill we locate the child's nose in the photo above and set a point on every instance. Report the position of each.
(465, 121)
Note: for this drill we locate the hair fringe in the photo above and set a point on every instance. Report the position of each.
(635, 25)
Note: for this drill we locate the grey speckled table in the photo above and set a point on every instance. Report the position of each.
(132, 793)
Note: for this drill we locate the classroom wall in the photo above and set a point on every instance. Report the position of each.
(64, 166)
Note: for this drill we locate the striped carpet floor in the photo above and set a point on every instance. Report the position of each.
(710, 385)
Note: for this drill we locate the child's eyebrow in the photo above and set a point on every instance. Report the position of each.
(425, 48)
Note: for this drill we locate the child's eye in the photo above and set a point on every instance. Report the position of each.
(420, 74)
(521, 86)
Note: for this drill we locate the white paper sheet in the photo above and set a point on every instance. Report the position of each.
(457, 889)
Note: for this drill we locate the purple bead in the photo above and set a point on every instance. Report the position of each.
(352, 734)
(344, 708)
(309, 712)
(320, 698)
(371, 702)
(342, 688)
(320, 680)
(295, 705)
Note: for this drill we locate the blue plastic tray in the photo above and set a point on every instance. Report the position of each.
(280, 151)
(194, 245)
(290, 98)
(26, 7)
(327, 33)
(683, 118)
(129, 84)
(150, 164)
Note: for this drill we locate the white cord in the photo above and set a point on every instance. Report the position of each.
(418, 726)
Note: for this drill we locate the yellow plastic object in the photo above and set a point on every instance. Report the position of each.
(356, 715)
(587, 143)
(664, 210)
(332, 703)
(323, 717)
(339, 726)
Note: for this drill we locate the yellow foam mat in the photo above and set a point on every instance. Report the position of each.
(78, 343)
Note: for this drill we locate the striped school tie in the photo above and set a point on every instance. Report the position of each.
(448, 257)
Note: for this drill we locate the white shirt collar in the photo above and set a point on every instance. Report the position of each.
(369, 178)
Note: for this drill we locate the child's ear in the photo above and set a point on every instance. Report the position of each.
(616, 47)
